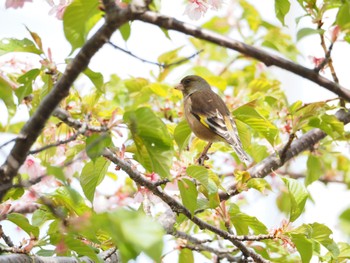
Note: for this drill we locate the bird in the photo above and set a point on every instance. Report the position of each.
(208, 116)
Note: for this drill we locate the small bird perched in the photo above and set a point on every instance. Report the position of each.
(208, 116)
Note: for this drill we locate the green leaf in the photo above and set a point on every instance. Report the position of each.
(6, 95)
(251, 15)
(259, 184)
(182, 135)
(329, 124)
(281, 9)
(22, 222)
(155, 5)
(41, 216)
(317, 234)
(132, 232)
(343, 16)
(92, 175)
(96, 143)
(8, 45)
(96, 78)
(70, 200)
(170, 56)
(81, 248)
(78, 19)
(304, 247)
(307, 32)
(218, 24)
(186, 256)
(314, 169)
(322, 234)
(189, 194)
(199, 173)
(257, 122)
(344, 251)
(125, 31)
(152, 139)
(298, 196)
(243, 222)
(26, 81)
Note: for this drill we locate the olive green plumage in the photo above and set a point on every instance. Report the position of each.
(208, 115)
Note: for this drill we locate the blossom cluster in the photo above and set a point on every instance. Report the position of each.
(197, 8)
(57, 9)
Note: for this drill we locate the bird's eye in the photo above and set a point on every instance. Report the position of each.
(187, 81)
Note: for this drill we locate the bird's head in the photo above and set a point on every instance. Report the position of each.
(191, 84)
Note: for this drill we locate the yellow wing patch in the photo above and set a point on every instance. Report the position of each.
(202, 119)
(228, 124)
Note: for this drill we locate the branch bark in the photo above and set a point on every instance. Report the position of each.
(273, 162)
(267, 58)
(108, 256)
(115, 17)
(178, 207)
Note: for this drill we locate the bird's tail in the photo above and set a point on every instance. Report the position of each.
(242, 155)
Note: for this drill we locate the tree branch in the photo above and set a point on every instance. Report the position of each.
(115, 17)
(273, 162)
(177, 207)
(162, 65)
(110, 256)
(267, 58)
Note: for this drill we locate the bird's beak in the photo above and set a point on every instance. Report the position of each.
(179, 87)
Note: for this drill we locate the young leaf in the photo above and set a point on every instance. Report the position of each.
(96, 78)
(81, 248)
(96, 143)
(78, 19)
(250, 116)
(22, 222)
(152, 139)
(26, 81)
(304, 247)
(186, 256)
(182, 134)
(322, 234)
(307, 32)
(92, 175)
(281, 9)
(199, 173)
(6, 95)
(314, 169)
(132, 232)
(8, 45)
(243, 222)
(189, 194)
(125, 31)
(298, 196)
(343, 16)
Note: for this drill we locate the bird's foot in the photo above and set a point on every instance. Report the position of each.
(202, 158)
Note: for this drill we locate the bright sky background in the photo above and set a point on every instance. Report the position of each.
(149, 42)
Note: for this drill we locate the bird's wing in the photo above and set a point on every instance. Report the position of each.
(218, 119)
(210, 111)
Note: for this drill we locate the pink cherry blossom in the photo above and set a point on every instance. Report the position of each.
(215, 4)
(58, 9)
(32, 166)
(15, 3)
(196, 9)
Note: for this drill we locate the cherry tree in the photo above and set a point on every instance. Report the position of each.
(128, 133)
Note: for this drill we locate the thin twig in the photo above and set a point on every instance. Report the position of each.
(58, 143)
(177, 207)
(327, 52)
(162, 65)
(273, 162)
(6, 238)
(286, 147)
(251, 51)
